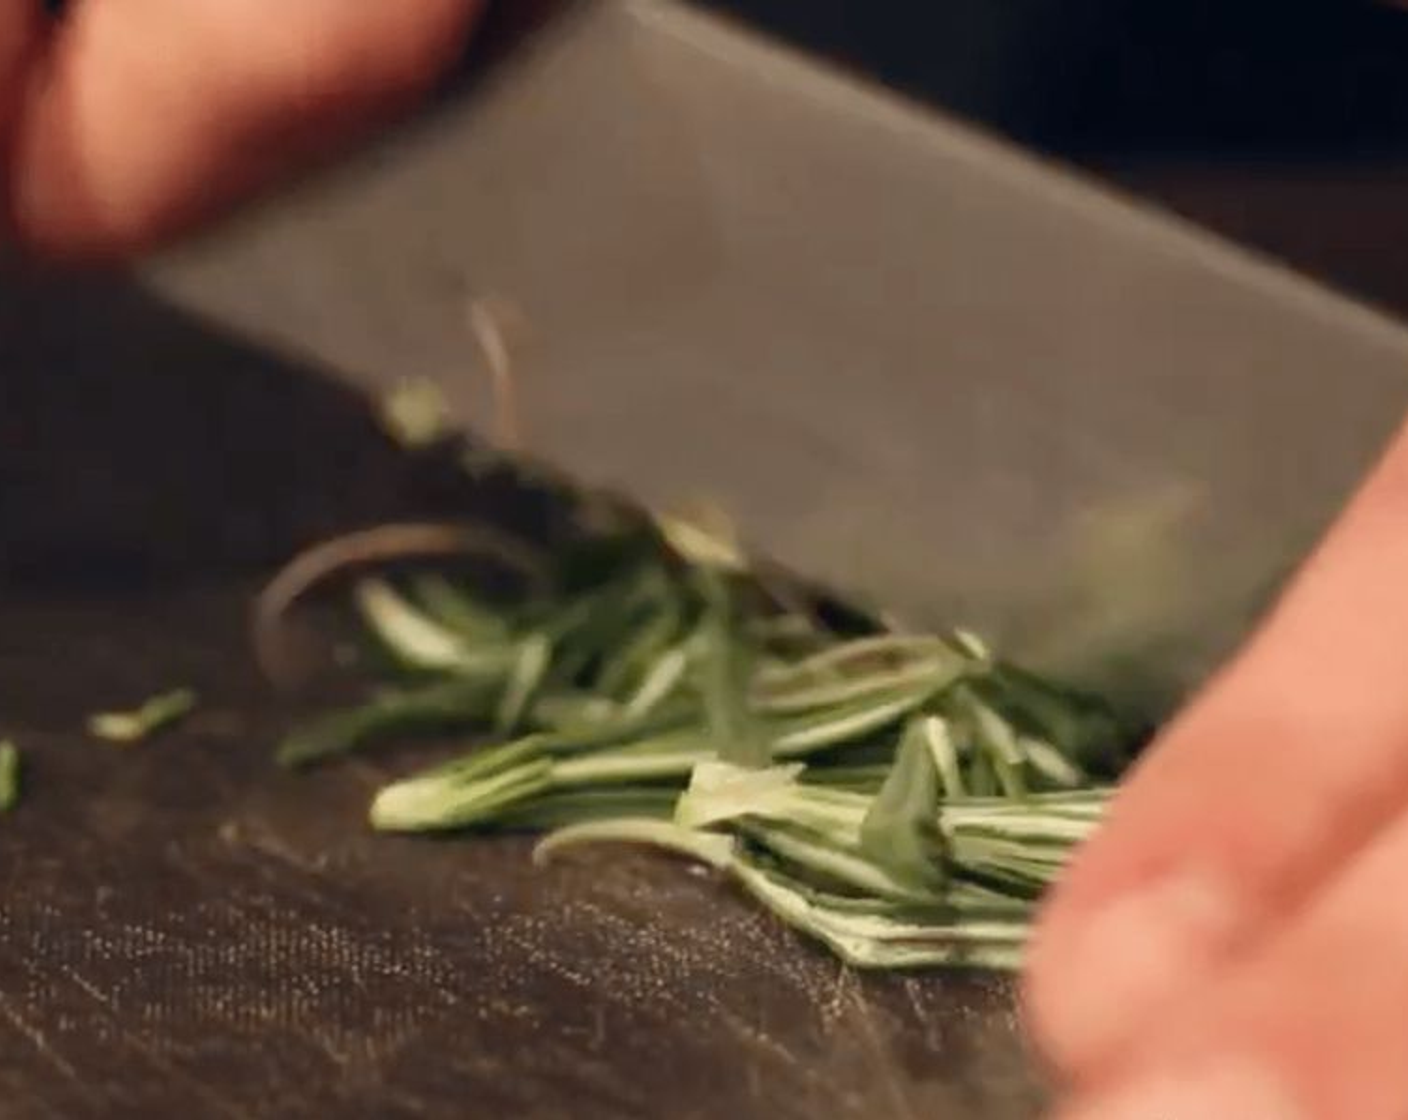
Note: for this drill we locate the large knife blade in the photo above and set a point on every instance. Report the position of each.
(911, 361)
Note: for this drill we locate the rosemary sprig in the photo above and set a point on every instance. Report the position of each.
(903, 798)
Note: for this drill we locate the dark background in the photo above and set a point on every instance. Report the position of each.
(1096, 77)
(1282, 124)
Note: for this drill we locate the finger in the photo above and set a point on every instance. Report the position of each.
(1288, 762)
(1311, 1028)
(143, 116)
(19, 38)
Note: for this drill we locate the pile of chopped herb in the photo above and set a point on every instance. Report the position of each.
(903, 797)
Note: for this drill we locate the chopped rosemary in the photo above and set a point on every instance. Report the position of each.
(9, 776)
(144, 721)
(415, 413)
(902, 798)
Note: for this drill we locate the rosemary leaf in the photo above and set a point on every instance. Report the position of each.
(900, 831)
(151, 717)
(9, 776)
(442, 706)
(726, 657)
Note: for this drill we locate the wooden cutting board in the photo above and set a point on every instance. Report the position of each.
(187, 931)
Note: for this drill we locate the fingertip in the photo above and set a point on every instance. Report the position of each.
(1050, 1000)
(145, 120)
(1100, 971)
(1134, 915)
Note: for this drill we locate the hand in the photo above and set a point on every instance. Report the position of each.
(128, 120)
(1235, 943)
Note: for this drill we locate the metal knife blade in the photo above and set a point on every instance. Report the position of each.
(911, 361)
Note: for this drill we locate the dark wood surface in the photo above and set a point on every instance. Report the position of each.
(186, 931)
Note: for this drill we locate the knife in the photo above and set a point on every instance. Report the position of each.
(911, 361)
